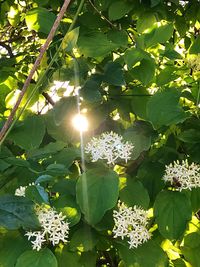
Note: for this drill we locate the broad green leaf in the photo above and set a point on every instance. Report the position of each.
(68, 206)
(118, 9)
(191, 136)
(135, 55)
(195, 47)
(42, 258)
(150, 174)
(49, 149)
(191, 248)
(155, 2)
(140, 136)
(144, 72)
(134, 193)
(165, 76)
(159, 35)
(118, 37)
(179, 263)
(59, 119)
(164, 109)
(145, 21)
(66, 186)
(12, 245)
(91, 91)
(92, 21)
(43, 178)
(97, 191)
(195, 199)
(4, 90)
(66, 156)
(29, 133)
(70, 40)
(65, 257)
(40, 20)
(16, 212)
(95, 44)
(172, 211)
(149, 254)
(114, 74)
(139, 101)
(4, 165)
(88, 259)
(37, 194)
(84, 239)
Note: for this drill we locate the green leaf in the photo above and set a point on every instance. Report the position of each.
(97, 191)
(95, 44)
(67, 257)
(51, 148)
(191, 248)
(135, 55)
(118, 37)
(195, 199)
(148, 255)
(164, 109)
(114, 74)
(172, 211)
(144, 72)
(40, 20)
(29, 134)
(16, 212)
(139, 101)
(43, 178)
(118, 9)
(150, 174)
(165, 76)
(59, 119)
(155, 2)
(84, 239)
(91, 91)
(134, 193)
(70, 40)
(191, 136)
(159, 35)
(140, 136)
(145, 21)
(12, 245)
(42, 258)
(195, 47)
(37, 194)
(67, 205)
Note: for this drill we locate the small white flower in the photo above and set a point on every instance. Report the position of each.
(183, 175)
(131, 222)
(39, 239)
(54, 227)
(109, 146)
(22, 189)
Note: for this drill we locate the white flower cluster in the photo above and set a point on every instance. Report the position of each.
(22, 189)
(54, 228)
(194, 62)
(109, 146)
(183, 175)
(131, 223)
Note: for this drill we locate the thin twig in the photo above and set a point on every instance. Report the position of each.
(8, 48)
(48, 98)
(103, 17)
(35, 67)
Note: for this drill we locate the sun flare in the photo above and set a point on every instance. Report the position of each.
(80, 123)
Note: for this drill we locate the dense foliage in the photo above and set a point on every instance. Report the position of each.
(133, 68)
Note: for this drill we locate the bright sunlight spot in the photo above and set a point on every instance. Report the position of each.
(80, 123)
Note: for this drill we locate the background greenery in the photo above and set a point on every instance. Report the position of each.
(137, 65)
